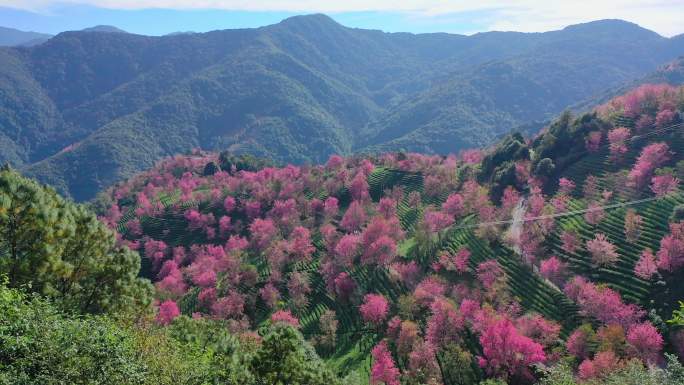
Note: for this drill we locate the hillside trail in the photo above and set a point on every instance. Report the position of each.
(515, 230)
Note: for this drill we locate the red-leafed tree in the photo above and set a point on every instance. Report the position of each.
(461, 260)
(407, 336)
(429, 289)
(565, 186)
(387, 207)
(436, 221)
(345, 286)
(595, 213)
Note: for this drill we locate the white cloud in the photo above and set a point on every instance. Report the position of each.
(663, 16)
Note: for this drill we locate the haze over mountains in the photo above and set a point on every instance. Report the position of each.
(10, 37)
(86, 109)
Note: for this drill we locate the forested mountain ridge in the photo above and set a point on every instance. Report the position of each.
(86, 109)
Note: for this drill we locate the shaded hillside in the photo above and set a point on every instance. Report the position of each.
(106, 105)
(669, 73)
(473, 107)
(562, 252)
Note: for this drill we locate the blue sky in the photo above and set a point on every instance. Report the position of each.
(158, 17)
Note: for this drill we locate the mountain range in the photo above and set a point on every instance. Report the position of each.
(86, 109)
(10, 37)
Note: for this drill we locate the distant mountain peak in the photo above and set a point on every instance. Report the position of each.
(319, 19)
(104, 28)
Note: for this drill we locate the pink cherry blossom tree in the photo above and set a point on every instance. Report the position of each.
(384, 370)
(345, 286)
(454, 205)
(602, 303)
(633, 224)
(565, 186)
(553, 269)
(579, 342)
(331, 207)
(571, 241)
(270, 295)
(359, 188)
(603, 364)
(652, 156)
(646, 267)
(374, 308)
(671, 252)
(489, 272)
(437, 221)
(603, 252)
(539, 329)
(168, 310)
(507, 353)
(646, 342)
(354, 217)
(298, 288)
(347, 249)
(618, 139)
(444, 324)
(300, 246)
(285, 317)
(664, 184)
(593, 141)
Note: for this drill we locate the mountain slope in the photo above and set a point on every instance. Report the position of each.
(10, 37)
(565, 66)
(111, 104)
(670, 73)
(555, 251)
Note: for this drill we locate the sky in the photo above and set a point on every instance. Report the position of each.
(159, 17)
